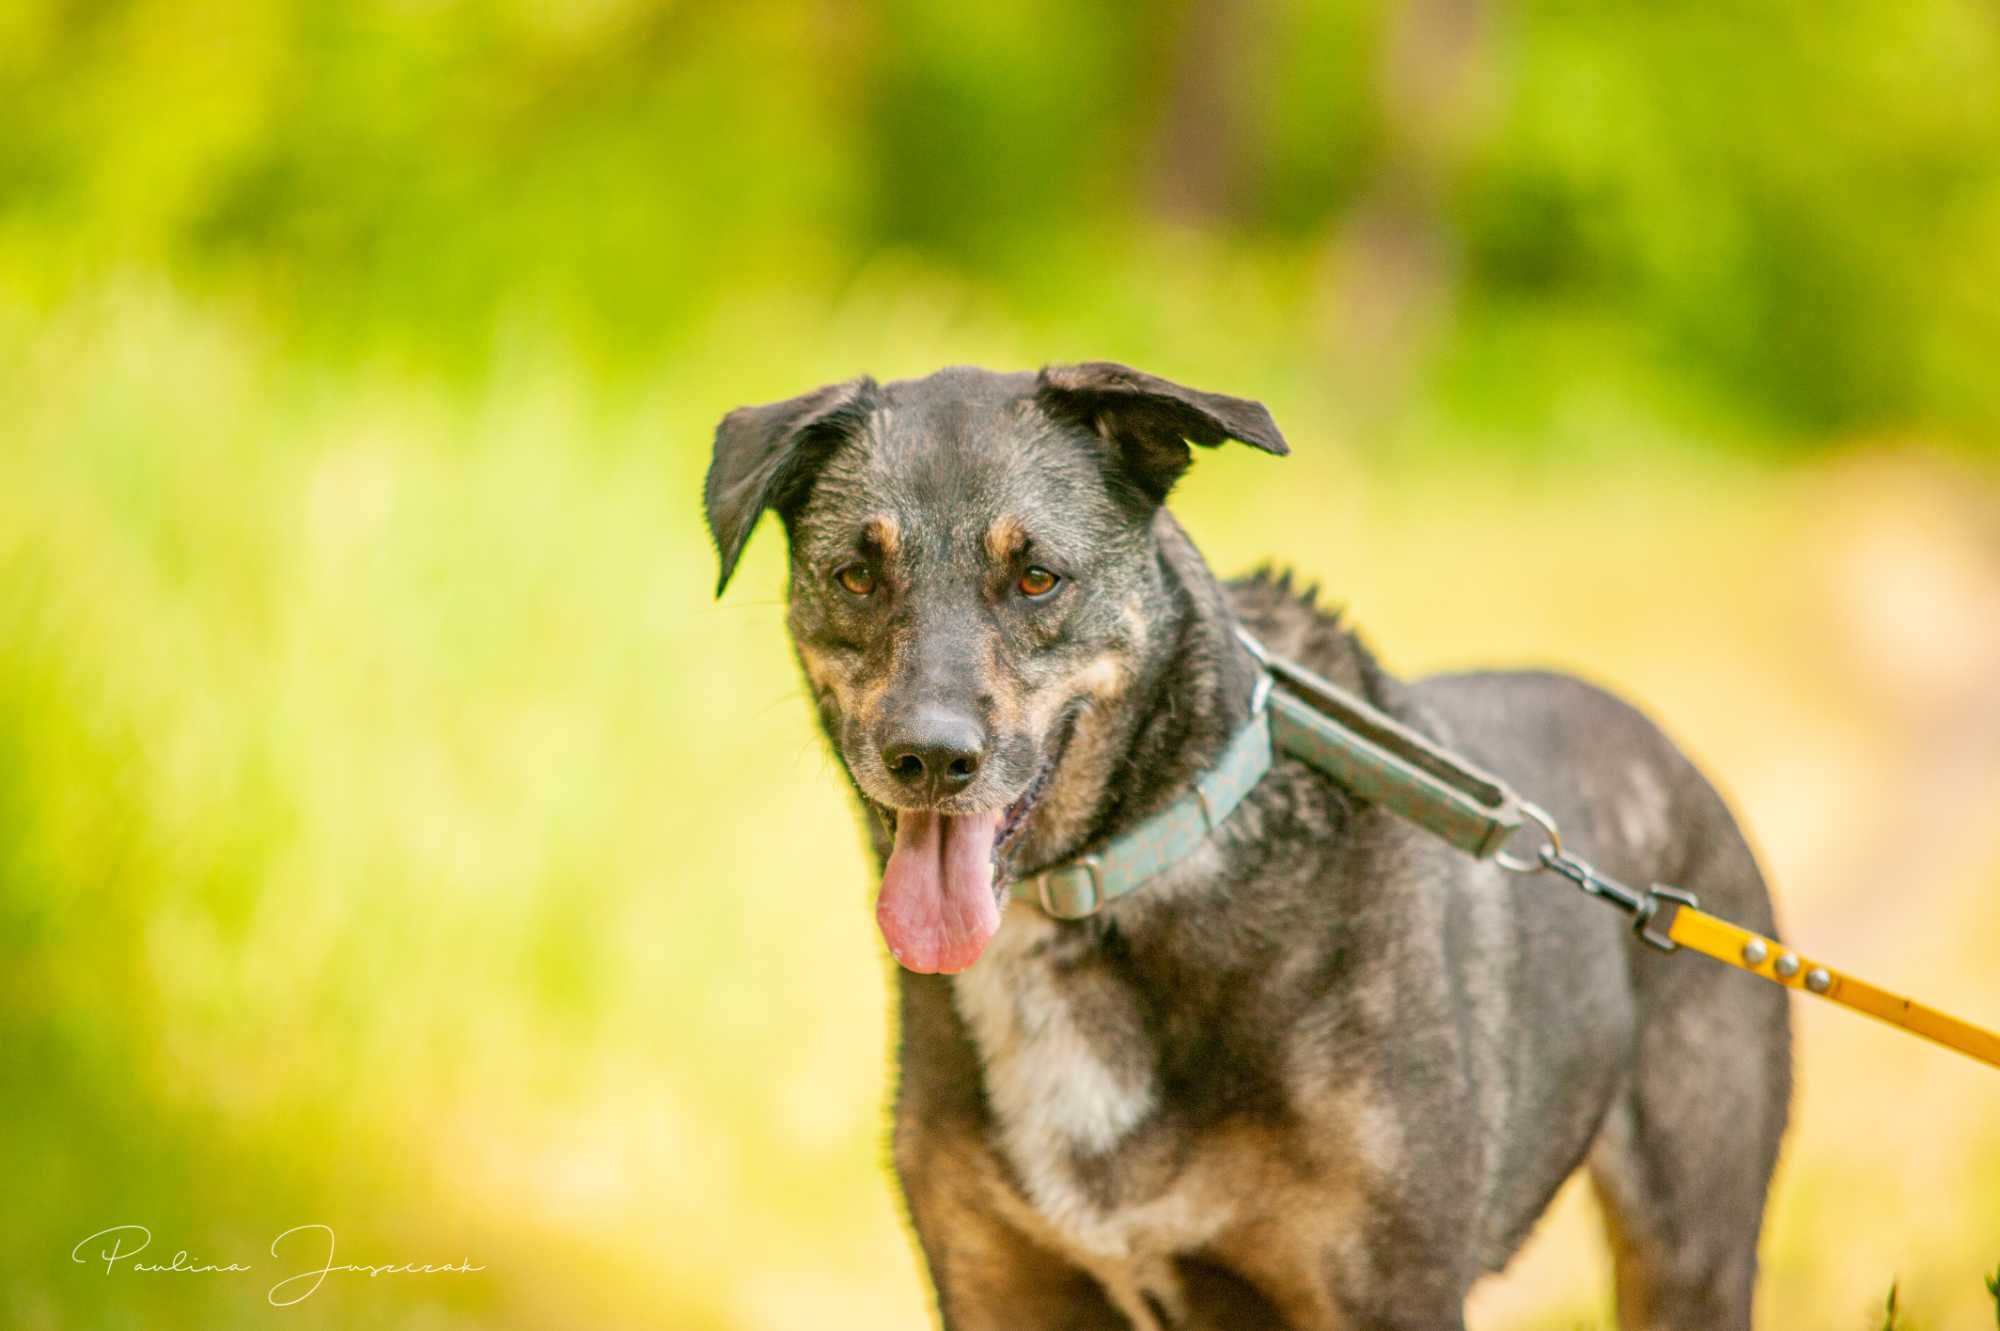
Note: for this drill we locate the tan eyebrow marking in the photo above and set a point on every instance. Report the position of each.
(884, 532)
(1005, 538)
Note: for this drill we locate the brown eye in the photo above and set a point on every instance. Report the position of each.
(857, 579)
(1037, 583)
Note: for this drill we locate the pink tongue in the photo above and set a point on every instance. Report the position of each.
(937, 909)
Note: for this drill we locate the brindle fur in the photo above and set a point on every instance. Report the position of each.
(1326, 1072)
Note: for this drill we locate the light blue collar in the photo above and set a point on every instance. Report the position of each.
(1309, 718)
(1132, 859)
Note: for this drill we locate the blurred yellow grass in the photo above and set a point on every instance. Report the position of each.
(396, 835)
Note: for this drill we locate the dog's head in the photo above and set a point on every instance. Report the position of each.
(973, 567)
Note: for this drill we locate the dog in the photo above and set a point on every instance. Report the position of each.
(1323, 1072)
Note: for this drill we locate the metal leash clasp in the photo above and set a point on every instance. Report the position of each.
(1652, 910)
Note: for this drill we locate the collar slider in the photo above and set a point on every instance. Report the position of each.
(1074, 891)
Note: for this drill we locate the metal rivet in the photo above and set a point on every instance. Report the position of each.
(1754, 952)
(1786, 966)
(1818, 980)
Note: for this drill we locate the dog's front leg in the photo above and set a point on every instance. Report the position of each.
(988, 1274)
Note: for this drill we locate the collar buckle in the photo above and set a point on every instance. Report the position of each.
(1073, 892)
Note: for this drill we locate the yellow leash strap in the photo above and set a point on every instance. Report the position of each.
(1733, 945)
(1668, 918)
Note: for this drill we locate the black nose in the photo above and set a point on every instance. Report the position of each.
(934, 751)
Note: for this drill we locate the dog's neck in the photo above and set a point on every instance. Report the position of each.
(1189, 695)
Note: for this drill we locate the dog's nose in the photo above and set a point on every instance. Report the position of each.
(935, 751)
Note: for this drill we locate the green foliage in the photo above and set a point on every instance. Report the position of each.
(1768, 188)
(1891, 1319)
(1789, 211)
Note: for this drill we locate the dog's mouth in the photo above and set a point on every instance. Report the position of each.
(943, 886)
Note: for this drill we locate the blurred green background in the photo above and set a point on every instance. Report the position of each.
(395, 836)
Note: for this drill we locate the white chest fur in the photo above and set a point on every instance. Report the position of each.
(1055, 1095)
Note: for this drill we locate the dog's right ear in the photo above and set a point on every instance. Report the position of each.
(766, 457)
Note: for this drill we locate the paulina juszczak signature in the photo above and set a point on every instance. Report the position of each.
(124, 1244)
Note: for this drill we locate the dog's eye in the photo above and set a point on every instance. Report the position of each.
(858, 579)
(1037, 582)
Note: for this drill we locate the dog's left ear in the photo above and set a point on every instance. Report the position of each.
(766, 457)
(1152, 420)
